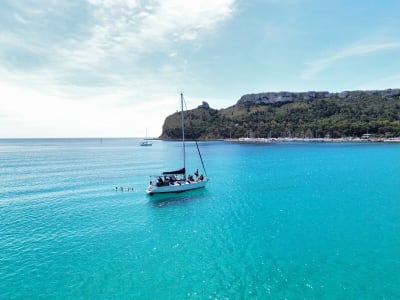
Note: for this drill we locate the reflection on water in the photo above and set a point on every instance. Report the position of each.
(162, 200)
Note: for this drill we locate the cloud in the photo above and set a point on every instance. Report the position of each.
(150, 27)
(319, 65)
(26, 112)
(98, 67)
(20, 19)
(99, 42)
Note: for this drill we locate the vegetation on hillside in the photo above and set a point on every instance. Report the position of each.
(321, 117)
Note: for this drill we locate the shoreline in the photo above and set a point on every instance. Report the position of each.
(314, 140)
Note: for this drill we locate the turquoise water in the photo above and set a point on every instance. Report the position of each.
(276, 221)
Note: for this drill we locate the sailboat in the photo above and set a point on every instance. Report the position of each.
(177, 181)
(146, 141)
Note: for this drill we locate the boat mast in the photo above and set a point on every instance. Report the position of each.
(183, 135)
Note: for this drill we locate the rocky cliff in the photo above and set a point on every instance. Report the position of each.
(287, 114)
(272, 97)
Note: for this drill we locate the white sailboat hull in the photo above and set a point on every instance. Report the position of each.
(176, 187)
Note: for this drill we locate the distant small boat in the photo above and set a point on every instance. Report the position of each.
(177, 181)
(146, 141)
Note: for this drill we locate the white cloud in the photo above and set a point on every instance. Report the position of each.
(130, 29)
(20, 19)
(110, 35)
(318, 65)
(98, 67)
(26, 112)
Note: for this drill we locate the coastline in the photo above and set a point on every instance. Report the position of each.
(314, 140)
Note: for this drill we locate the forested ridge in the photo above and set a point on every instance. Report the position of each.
(320, 116)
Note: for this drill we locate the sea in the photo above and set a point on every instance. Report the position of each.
(276, 221)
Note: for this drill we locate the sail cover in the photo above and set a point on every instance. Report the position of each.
(181, 171)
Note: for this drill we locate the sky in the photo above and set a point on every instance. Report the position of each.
(116, 68)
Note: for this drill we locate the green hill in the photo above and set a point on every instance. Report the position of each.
(284, 114)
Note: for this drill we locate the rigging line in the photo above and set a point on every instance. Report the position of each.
(198, 150)
(201, 159)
